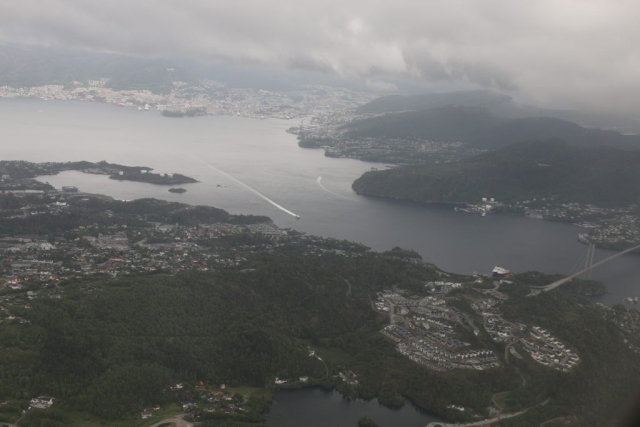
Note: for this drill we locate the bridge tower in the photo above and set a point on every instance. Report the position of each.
(588, 263)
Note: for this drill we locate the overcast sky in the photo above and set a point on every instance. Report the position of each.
(580, 53)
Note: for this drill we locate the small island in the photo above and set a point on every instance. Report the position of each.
(177, 190)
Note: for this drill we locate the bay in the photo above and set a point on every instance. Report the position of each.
(236, 158)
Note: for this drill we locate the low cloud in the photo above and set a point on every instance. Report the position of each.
(580, 53)
(381, 86)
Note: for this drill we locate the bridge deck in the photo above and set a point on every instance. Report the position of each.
(573, 276)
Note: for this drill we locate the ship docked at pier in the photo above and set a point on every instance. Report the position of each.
(500, 272)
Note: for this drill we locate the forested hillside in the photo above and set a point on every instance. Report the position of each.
(483, 129)
(542, 169)
(497, 103)
(109, 347)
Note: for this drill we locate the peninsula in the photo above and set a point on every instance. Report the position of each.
(20, 169)
(598, 187)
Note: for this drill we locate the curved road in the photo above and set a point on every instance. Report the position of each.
(487, 421)
(177, 420)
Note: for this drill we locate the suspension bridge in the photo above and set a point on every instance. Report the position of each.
(589, 265)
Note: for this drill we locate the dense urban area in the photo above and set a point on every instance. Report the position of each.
(203, 97)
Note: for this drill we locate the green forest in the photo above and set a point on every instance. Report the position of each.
(112, 346)
(550, 169)
(482, 128)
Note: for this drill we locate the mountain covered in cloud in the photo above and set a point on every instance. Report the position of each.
(478, 125)
(495, 102)
(569, 53)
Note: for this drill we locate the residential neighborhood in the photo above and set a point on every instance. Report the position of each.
(206, 96)
(431, 331)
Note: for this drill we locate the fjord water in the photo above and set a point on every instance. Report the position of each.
(260, 154)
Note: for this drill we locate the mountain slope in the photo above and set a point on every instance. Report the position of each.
(550, 169)
(483, 129)
(495, 102)
(501, 105)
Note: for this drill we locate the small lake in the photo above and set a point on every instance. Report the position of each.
(315, 407)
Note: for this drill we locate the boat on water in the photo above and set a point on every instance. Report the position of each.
(635, 300)
(583, 238)
(628, 299)
(297, 216)
(586, 225)
(500, 271)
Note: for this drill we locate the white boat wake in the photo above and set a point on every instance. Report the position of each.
(319, 181)
(248, 187)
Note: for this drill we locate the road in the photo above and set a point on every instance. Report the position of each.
(487, 421)
(177, 420)
(348, 286)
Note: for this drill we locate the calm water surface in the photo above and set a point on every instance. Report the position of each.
(319, 408)
(263, 156)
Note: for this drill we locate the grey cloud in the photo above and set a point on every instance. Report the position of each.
(561, 52)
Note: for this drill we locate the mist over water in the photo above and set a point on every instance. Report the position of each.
(287, 180)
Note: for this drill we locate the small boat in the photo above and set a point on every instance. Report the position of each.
(297, 216)
(635, 300)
